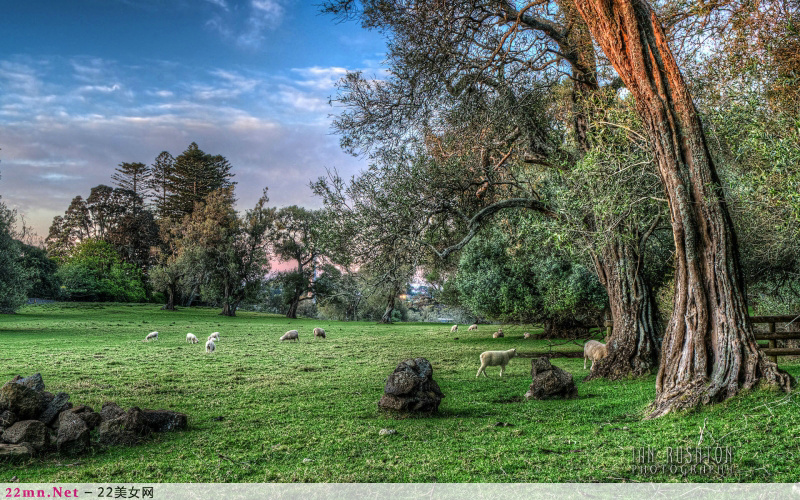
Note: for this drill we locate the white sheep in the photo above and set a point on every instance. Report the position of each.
(498, 334)
(472, 328)
(210, 346)
(191, 338)
(495, 358)
(454, 329)
(594, 351)
(214, 336)
(151, 336)
(526, 335)
(319, 332)
(291, 335)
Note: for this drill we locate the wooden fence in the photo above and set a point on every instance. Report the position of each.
(772, 335)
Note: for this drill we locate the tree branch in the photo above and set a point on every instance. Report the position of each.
(477, 220)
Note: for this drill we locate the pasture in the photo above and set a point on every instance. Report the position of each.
(307, 411)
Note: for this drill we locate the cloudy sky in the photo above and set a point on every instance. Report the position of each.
(87, 84)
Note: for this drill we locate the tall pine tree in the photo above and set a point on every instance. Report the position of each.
(158, 184)
(133, 177)
(195, 174)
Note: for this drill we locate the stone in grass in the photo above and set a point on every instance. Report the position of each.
(56, 406)
(550, 381)
(28, 431)
(110, 411)
(411, 388)
(15, 451)
(24, 402)
(73, 434)
(90, 417)
(387, 432)
(34, 382)
(165, 420)
(7, 419)
(127, 429)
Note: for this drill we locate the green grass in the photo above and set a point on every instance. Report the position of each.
(284, 403)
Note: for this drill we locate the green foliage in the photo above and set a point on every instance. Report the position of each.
(523, 280)
(14, 276)
(41, 272)
(115, 215)
(95, 272)
(293, 286)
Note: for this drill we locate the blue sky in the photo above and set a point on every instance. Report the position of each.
(87, 84)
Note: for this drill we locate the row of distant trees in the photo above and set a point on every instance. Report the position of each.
(166, 230)
(169, 232)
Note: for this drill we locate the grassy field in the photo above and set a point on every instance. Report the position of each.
(307, 411)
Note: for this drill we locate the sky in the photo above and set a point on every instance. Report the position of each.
(88, 84)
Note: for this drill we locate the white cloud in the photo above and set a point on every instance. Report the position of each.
(248, 30)
(55, 176)
(100, 88)
(303, 101)
(20, 78)
(219, 3)
(320, 78)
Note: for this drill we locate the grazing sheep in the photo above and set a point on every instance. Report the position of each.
(594, 350)
(526, 335)
(151, 336)
(498, 334)
(472, 327)
(495, 358)
(190, 337)
(210, 346)
(214, 336)
(319, 332)
(454, 329)
(291, 335)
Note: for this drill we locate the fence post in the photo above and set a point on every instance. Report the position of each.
(772, 343)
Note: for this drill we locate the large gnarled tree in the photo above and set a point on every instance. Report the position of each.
(709, 351)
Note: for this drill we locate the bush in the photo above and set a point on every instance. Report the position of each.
(95, 272)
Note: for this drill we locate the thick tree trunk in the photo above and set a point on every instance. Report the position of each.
(634, 343)
(292, 312)
(633, 346)
(170, 305)
(387, 314)
(228, 306)
(709, 352)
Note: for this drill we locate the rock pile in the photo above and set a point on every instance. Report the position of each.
(33, 421)
(411, 388)
(550, 381)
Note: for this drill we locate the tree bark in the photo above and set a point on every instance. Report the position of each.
(228, 308)
(170, 305)
(633, 346)
(634, 343)
(709, 352)
(387, 314)
(292, 312)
